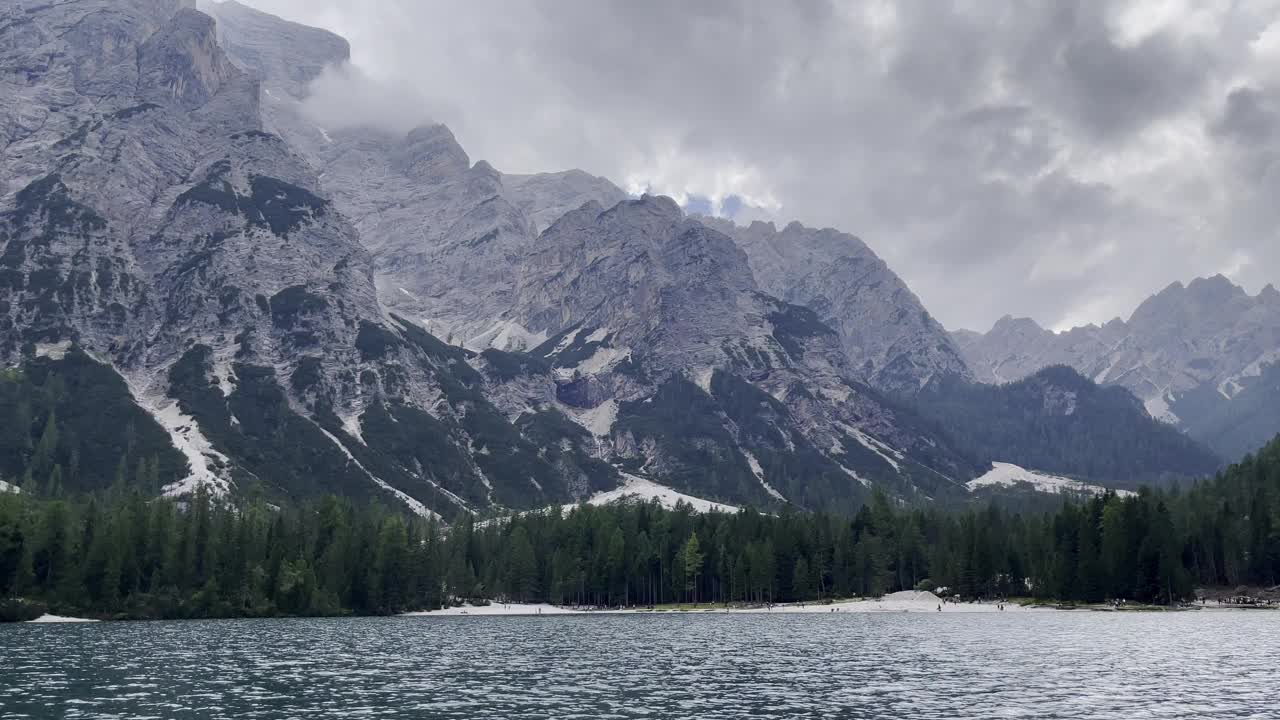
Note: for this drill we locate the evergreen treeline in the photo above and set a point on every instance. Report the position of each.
(124, 554)
(1060, 421)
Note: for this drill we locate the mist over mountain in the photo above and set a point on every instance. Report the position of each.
(281, 295)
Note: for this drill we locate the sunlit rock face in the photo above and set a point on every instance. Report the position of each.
(890, 339)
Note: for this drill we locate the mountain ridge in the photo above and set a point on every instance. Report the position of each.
(306, 310)
(1191, 349)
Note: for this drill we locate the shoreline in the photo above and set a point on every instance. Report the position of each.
(900, 602)
(51, 618)
(895, 603)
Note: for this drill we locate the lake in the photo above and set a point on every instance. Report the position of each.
(1015, 665)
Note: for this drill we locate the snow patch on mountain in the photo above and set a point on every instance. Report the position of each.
(506, 335)
(702, 378)
(1010, 475)
(1158, 408)
(414, 505)
(186, 436)
(1231, 386)
(225, 377)
(759, 473)
(851, 473)
(569, 339)
(602, 359)
(7, 488)
(53, 351)
(886, 453)
(598, 420)
(351, 424)
(636, 487)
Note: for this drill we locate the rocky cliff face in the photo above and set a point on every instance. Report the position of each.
(307, 310)
(152, 220)
(651, 314)
(545, 197)
(620, 299)
(890, 339)
(1189, 352)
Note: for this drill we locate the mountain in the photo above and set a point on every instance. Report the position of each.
(153, 226)
(255, 304)
(506, 265)
(1058, 421)
(889, 337)
(652, 315)
(1203, 357)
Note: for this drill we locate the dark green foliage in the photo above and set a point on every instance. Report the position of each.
(684, 422)
(277, 449)
(272, 203)
(442, 355)
(374, 341)
(793, 325)
(49, 200)
(1058, 421)
(402, 436)
(1237, 426)
(77, 416)
(123, 554)
(282, 206)
(577, 351)
(509, 366)
(130, 112)
(548, 430)
(801, 473)
(307, 375)
(293, 303)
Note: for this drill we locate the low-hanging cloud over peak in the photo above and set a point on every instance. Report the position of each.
(1055, 160)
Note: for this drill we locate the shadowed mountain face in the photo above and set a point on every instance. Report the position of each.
(1059, 421)
(1202, 357)
(294, 310)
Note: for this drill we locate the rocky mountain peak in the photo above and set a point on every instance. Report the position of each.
(182, 62)
(431, 153)
(891, 340)
(1009, 325)
(1194, 353)
(292, 55)
(658, 207)
(544, 197)
(1215, 289)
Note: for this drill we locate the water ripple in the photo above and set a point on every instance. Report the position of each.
(1023, 665)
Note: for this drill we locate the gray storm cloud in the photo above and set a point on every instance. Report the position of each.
(1058, 160)
(344, 96)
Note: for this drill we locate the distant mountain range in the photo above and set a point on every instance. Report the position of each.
(1204, 357)
(267, 307)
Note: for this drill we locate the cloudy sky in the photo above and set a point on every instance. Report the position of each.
(1060, 160)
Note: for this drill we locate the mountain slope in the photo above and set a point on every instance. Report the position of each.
(889, 337)
(154, 225)
(648, 295)
(304, 310)
(1058, 421)
(1202, 357)
(654, 316)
